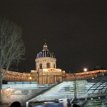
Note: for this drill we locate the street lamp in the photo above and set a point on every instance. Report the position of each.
(30, 78)
(85, 69)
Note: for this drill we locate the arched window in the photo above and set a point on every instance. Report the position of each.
(40, 66)
(48, 65)
(54, 65)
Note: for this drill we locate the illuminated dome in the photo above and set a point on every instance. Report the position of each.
(45, 52)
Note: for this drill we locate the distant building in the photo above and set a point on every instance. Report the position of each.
(46, 71)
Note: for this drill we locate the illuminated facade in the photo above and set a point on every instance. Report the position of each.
(46, 71)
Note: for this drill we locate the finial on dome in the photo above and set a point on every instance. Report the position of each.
(45, 47)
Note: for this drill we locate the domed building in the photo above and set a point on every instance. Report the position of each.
(45, 59)
(46, 71)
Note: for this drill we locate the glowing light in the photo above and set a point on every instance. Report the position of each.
(46, 70)
(8, 91)
(92, 77)
(30, 78)
(85, 69)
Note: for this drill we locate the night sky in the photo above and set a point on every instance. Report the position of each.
(75, 30)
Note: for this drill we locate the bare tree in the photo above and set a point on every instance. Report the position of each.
(11, 47)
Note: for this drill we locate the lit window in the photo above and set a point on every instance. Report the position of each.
(40, 66)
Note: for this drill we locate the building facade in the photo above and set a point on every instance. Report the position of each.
(46, 70)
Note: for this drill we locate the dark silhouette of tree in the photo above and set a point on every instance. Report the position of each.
(11, 47)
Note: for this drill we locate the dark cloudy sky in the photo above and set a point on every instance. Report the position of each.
(75, 30)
